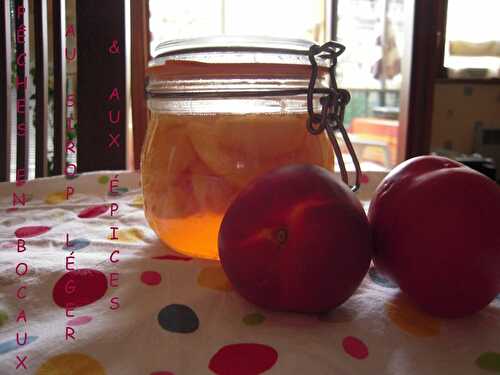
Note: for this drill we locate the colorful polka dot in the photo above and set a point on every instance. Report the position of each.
(3, 318)
(253, 319)
(151, 278)
(71, 364)
(31, 231)
(10, 345)
(378, 279)
(248, 359)
(79, 288)
(489, 361)
(94, 211)
(13, 221)
(214, 278)
(76, 244)
(355, 347)
(8, 245)
(138, 202)
(79, 321)
(128, 235)
(173, 257)
(55, 198)
(408, 318)
(178, 318)
(103, 180)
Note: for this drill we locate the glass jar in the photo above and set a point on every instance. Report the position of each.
(223, 111)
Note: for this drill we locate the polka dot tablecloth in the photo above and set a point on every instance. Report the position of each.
(148, 310)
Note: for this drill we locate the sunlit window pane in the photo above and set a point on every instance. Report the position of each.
(184, 19)
(373, 32)
(473, 38)
(279, 18)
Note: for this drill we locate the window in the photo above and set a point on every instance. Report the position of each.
(280, 18)
(370, 69)
(472, 47)
(373, 31)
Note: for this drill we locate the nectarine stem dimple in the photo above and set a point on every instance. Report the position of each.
(281, 236)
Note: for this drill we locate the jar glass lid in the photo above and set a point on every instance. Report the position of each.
(233, 57)
(226, 43)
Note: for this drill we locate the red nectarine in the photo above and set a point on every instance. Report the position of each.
(295, 239)
(436, 234)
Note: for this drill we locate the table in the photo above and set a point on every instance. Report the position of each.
(179, 315)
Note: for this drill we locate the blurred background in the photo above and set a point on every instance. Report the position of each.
(423, 75)
(375, 32)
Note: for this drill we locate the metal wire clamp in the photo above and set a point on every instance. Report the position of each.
(333, 103)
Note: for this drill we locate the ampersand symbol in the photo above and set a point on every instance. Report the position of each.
(115, 48)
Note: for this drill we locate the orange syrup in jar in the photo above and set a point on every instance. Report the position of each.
(194, 165)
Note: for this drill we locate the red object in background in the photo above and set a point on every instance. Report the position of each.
(436, 234)
(296, 239)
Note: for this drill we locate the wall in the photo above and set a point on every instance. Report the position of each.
(458, 108)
